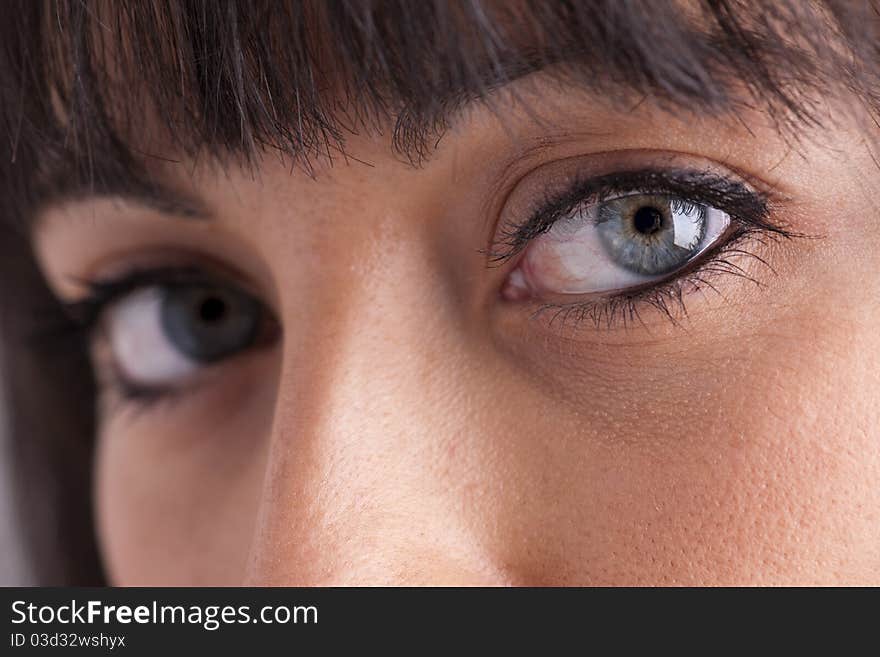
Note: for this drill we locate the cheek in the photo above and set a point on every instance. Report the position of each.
(745, 459)
(767, 484)
(178, 485)
(724, 474)
(740, 451)
(796, 453)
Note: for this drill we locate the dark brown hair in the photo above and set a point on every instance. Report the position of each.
(228, 79)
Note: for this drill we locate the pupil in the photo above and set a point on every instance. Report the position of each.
(212, 309)
(647, 220)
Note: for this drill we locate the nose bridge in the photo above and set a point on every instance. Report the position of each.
(364, 476)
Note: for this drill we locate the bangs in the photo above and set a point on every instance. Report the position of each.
(241, 78)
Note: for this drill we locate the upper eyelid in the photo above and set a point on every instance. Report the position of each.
(103, 293)
(691, 183)
(649, 181)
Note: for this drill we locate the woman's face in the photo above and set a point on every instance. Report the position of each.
(576, 345)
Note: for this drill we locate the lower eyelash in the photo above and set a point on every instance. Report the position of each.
(117, 395)
(668, 297)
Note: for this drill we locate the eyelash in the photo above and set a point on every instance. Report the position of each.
(749, 212)
(667, 295)
(86, 313)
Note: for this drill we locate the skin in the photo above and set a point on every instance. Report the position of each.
(413, 426)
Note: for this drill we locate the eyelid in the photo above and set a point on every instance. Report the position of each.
(743, 203)
(102, 238)
(105, 291)
(668, 295)
(553, 191)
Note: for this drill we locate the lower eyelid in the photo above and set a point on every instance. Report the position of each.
(668, 298)
(121, 395)
(597, 250)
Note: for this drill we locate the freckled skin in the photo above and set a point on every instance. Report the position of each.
(414, 427)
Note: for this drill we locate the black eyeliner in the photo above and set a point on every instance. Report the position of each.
(744, 205)
(666, 296)
(102, 292)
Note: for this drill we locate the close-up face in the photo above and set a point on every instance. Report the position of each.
(580, 339)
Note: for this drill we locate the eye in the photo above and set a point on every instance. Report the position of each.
(160, 335)
(616, 244)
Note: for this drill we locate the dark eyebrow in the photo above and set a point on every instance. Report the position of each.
(417, 131)
(453, 101)
(153, 195)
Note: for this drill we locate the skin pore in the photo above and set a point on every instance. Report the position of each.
(408, 424)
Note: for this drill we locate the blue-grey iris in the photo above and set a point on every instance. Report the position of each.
(651, 234)
(208, 323)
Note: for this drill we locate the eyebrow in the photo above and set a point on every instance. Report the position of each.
(153, 195)
(454, 101)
